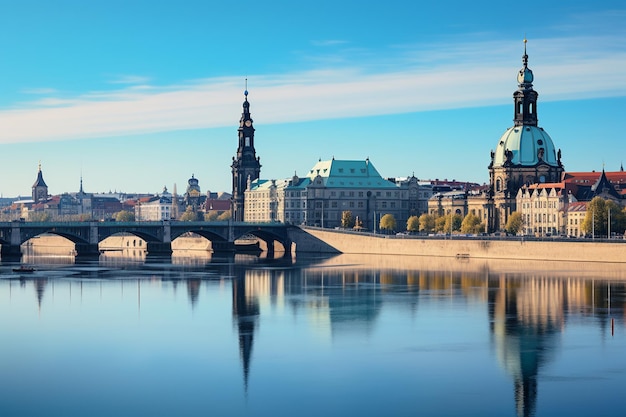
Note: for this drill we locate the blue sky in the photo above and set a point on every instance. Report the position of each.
(138, 95)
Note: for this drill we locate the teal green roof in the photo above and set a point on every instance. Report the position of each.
(349, 174)
(527, 144)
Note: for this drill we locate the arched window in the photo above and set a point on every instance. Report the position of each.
(498, 185)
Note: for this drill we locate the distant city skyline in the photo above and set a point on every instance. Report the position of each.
(137, 97)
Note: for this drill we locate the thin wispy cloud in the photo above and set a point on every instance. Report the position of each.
(422, 78)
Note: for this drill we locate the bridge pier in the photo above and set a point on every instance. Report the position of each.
(159, 248)
(86, 250)
(10, 252)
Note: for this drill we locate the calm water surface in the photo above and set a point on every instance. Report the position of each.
(346, 336)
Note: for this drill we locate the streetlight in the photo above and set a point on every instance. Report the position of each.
(609, 221)
(593, 225)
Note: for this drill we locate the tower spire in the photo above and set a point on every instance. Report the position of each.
(246, 165)
(525, 97)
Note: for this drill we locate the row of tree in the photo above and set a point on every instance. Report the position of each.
(455, 223)
(601, 215)
(426, 223)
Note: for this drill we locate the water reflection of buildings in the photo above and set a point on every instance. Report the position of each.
(526, 317)
(527, 311)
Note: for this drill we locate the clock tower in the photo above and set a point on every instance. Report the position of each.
(246, 166)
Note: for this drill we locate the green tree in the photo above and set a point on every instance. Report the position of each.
(514, 223)
(620, 222)
(347, 220)
(456, 220)
(427, 223)
(211, 216)
(189, 215)
(124, 216)
(39, 216)
(472, 224)
(413, 224)
(225, 216)
(440, 224)
(388, 222)
(597, 217)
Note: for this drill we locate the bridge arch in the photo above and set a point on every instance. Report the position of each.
(71, 235)
(268, 237)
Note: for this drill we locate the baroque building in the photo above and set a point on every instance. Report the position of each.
(525, 154)
(246, 166)
(330, 188)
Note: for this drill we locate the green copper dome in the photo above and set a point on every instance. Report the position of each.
(526, 146)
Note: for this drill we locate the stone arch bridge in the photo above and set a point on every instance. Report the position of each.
(158, 234)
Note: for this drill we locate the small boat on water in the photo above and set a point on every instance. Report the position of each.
(24, 269)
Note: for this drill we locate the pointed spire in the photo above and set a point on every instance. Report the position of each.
(525, 75)
(525, 97)
(245, 116)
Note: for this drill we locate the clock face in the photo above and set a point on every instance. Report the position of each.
(248, 123)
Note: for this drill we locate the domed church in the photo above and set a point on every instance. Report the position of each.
(525, 154)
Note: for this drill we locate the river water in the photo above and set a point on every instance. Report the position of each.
(192, 335)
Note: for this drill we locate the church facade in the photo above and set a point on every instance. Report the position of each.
(524, 155)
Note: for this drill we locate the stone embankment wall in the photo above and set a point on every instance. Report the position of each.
(474, 248)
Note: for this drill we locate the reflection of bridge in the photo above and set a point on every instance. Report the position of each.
(158, 235)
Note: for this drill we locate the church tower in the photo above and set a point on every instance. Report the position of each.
(246, 166)
(40, 189)
(525, 154)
